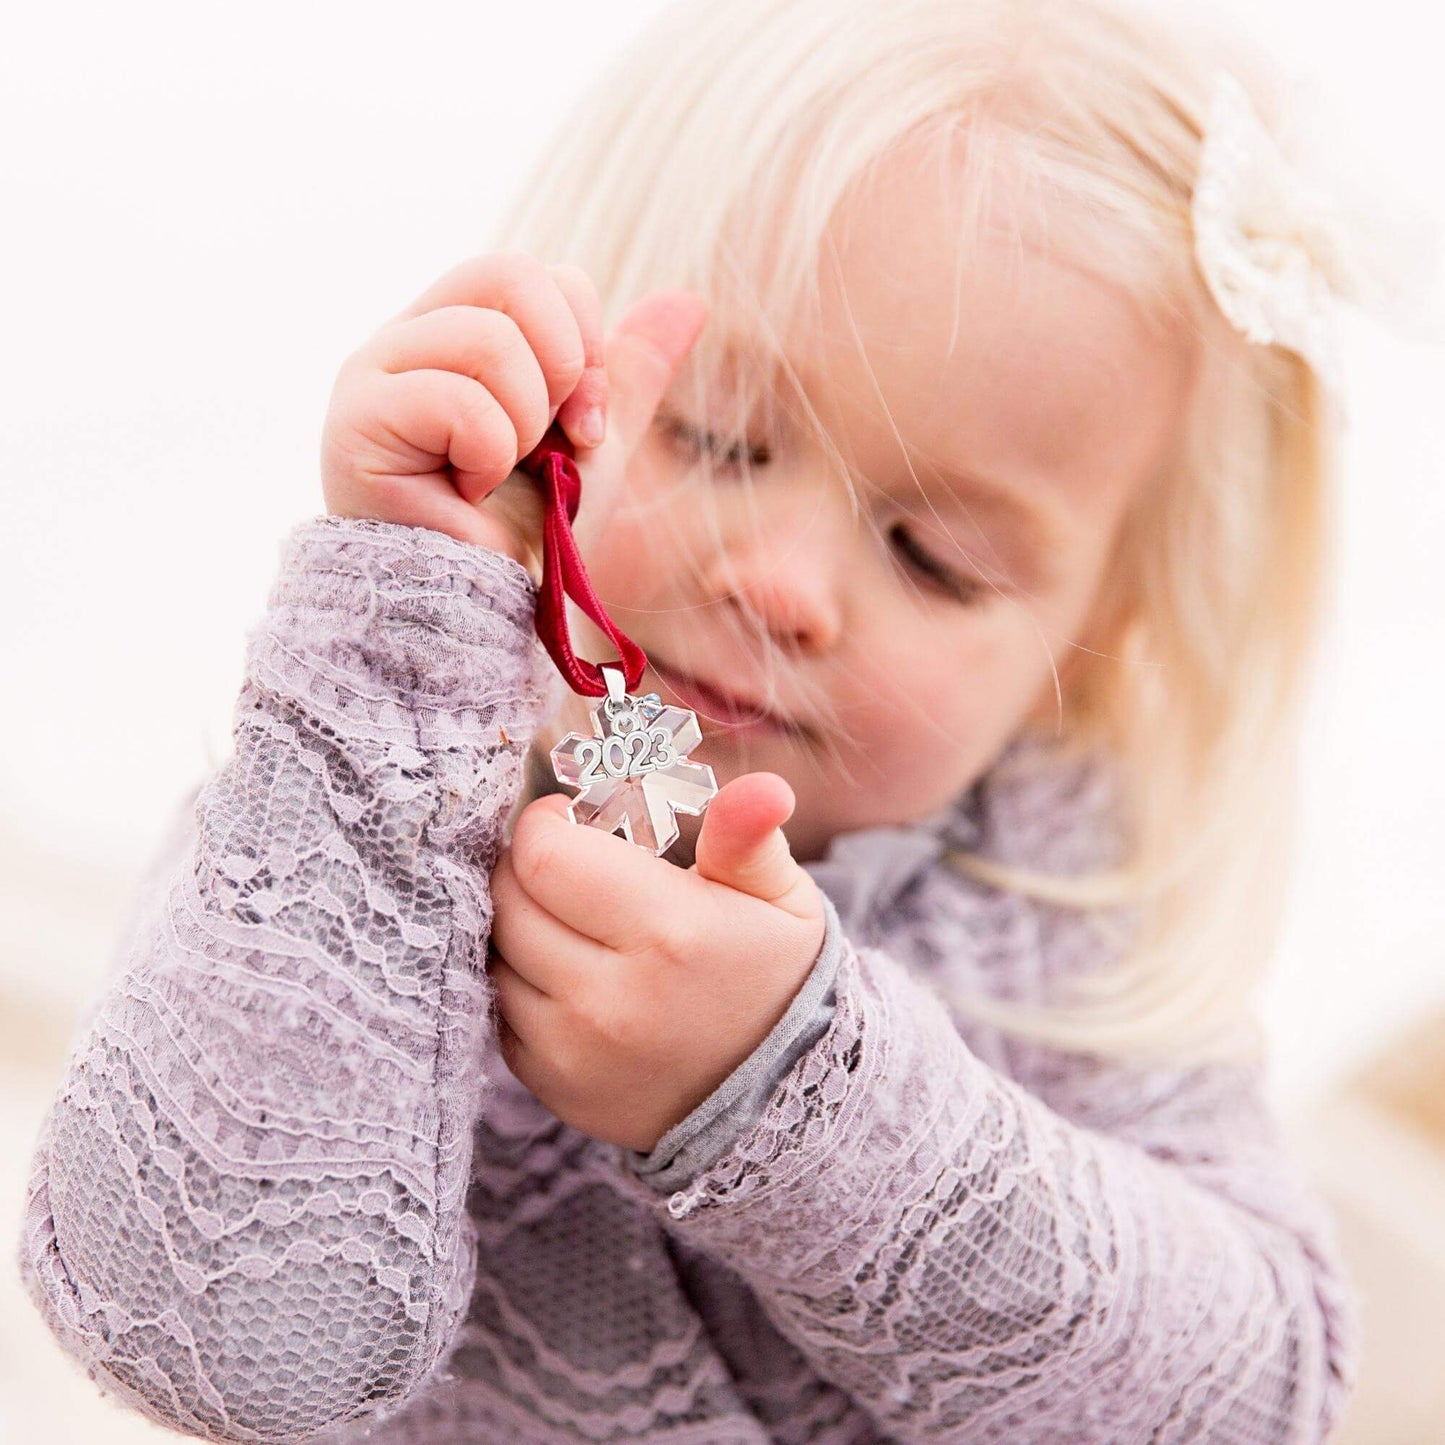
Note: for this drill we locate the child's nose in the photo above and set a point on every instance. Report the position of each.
(792, 609)
(789, 584)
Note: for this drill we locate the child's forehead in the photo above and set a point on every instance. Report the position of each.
(918, 338)
(951, 287)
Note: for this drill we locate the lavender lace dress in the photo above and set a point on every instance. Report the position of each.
(287, 1190)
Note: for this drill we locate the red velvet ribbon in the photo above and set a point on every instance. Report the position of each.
(563, 574)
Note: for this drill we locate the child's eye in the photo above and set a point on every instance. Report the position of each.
(958, 585)
(728, 453)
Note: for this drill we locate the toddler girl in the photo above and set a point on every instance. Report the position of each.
(951, 448)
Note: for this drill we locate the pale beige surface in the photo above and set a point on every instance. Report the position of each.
(1401, 1392)
(1385, 1177)
(1384, 1174)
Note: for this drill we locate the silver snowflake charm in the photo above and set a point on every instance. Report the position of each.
(633, 771)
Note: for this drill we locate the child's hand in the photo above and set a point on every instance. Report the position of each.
(627, 988)
(431, 415)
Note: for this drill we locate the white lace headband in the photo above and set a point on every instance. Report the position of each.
(1278, 254)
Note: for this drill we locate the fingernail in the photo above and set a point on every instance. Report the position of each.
(592, 426)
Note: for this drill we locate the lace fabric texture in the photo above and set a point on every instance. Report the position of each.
(287, 1190)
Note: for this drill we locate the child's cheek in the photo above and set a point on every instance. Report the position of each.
(955, 708)
(636, 560)
(625, 563)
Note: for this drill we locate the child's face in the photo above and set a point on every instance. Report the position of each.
(1022, 373)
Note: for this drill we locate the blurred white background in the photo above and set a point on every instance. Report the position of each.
(209, 207)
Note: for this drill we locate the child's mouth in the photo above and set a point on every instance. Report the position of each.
(724, 713)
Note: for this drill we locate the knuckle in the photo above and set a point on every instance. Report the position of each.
(568, 1056)
(609, 1021)
(489, 348)
(679, 935)
(473, 405)
(519, 270)
(377, 351)
(571, 272)
(571, 359)
(452, 326)
(566, 372)
(581, 293)
(484, 422)
(458, 338)
(524, 274)
(506, 342)
(496, 331)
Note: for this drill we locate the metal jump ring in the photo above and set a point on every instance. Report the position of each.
(616, 682)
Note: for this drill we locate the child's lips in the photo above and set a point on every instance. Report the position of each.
(727, 713)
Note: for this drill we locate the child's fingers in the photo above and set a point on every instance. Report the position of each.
(546, 951)
(742, 843)
(385, 452)
(598, 884)
(424, 500)
(532, 1029)
(414, 421)
(523, 1008)
(487, 346)
(644, 352)
(583, 416)
(523, 287)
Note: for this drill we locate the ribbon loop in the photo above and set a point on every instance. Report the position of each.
(564, 574)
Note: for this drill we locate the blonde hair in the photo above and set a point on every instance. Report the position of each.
(712, 155)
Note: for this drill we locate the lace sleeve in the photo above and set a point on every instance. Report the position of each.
(246, 1211)
(967, 1263)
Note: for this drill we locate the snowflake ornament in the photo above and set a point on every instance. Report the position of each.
(633, 771)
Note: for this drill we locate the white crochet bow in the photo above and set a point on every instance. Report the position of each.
(1272, 248)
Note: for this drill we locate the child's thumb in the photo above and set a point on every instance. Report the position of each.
(742, 843)
(643, 353)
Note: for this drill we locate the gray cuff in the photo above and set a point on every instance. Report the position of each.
(738, 1102)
